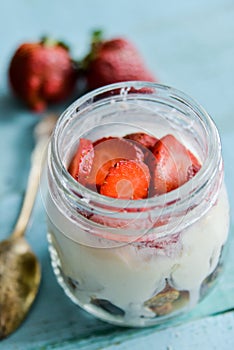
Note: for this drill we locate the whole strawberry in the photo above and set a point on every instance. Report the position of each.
(42, 72)
(112, 61)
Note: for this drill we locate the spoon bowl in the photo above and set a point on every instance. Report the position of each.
(20, 276)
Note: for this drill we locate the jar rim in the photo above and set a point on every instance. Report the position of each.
(180, 194)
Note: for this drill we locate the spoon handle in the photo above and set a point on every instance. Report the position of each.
(43, 132)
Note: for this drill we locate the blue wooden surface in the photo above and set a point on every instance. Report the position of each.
(189, 45)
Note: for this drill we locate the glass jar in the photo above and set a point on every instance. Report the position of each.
(137, 262)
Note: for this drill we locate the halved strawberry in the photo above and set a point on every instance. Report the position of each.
(81, 164)
(103, 139)
(146, 144)
(145, 140)
(195, 167)
(175, 165)
(107, 153)
(128, 179)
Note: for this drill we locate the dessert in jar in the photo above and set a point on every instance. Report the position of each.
(137, 207)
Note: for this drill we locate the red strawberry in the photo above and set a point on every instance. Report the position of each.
(145, 140)
(128, 179)
(112, 61)
(42, 72)
(95, 143)
(170, 245)
(195, 167)
(107, 152)
(82, 161)
(173, 164)
(146, 143)
(159, 243)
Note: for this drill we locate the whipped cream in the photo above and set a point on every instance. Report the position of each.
(129, 275)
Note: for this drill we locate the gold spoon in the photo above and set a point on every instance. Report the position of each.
(20, 272)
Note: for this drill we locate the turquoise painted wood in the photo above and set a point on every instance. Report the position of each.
(189, 45)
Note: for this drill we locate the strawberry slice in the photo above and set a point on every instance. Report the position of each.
(145, 140)
(81, 164)
(103, 139)
(175, 165)
(107, 152)
(146, 143)
(195, 167)
(128, 179)
(160, 243)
